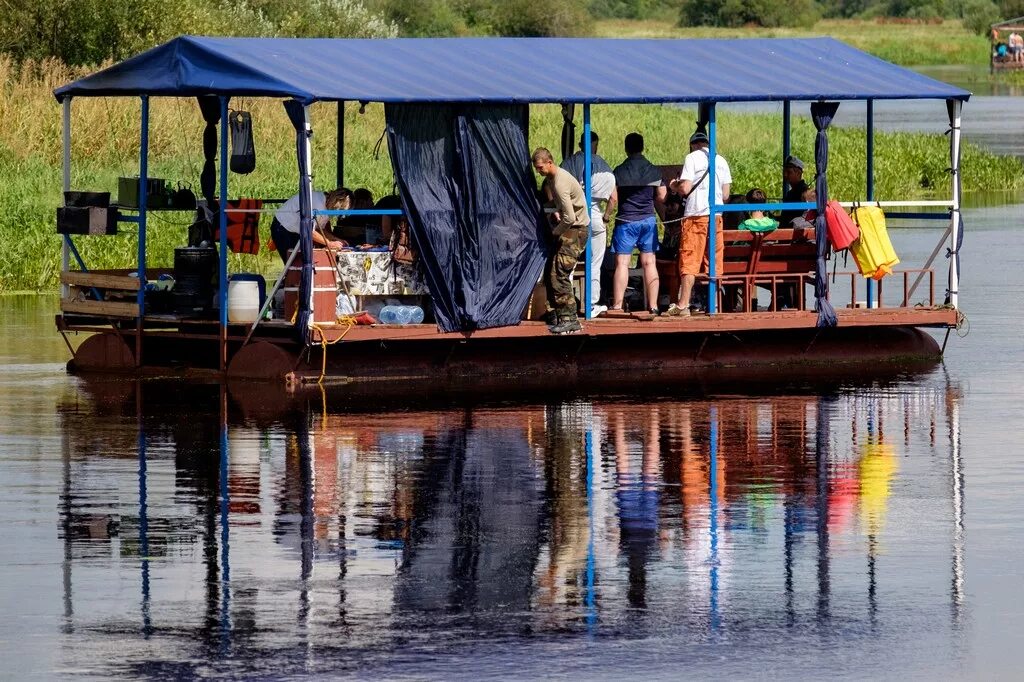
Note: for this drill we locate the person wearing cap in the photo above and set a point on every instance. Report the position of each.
(693, 247)
(602, 190)
(641, 195)
(792, 175)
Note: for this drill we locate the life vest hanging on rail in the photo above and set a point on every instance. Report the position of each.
(873, 251)
(243, 228)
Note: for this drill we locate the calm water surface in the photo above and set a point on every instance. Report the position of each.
(868, 530)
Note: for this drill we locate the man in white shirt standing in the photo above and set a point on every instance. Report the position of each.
(602, 190)
(693, 248)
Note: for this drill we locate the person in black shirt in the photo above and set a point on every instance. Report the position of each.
(793, 175)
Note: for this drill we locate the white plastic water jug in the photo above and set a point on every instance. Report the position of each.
(243, 301)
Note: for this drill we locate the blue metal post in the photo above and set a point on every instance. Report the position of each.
(787, 125)
(712, 184)
(222, 294)
(587, 189)
(143, 201)
(341, 145)
(871, 181)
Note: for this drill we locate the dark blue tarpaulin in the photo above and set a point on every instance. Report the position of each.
(468, 190)
(526, 70)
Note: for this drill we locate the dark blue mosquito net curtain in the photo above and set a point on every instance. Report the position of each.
(468, 190)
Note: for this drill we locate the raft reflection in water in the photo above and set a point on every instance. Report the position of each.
(350, 532)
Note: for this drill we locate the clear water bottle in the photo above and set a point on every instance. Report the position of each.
(389, 314)
(404, 314)
(415, 314)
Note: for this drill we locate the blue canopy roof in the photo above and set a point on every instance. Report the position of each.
(512, 70)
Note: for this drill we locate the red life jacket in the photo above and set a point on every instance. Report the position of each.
(243, 228)
(841, 229)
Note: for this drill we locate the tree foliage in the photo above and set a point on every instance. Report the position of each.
(769, 13)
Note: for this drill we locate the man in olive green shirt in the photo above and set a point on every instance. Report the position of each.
(570, 223)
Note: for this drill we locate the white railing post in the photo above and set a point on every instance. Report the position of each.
(954, 226)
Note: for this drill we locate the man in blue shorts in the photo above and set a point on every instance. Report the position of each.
(641, 194)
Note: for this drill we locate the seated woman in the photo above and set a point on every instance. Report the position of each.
(353, 228)
(284, 229)
(757, 221)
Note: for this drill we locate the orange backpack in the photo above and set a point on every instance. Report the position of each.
(842, 231)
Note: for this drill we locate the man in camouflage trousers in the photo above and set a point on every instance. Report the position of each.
(570, 227)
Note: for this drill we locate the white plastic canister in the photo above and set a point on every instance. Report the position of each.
(243, 301)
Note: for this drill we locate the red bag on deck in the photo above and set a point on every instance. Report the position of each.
(842, 231)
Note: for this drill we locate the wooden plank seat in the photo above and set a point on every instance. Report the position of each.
(751, 259)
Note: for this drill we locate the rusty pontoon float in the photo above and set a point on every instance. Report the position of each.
(481, 264)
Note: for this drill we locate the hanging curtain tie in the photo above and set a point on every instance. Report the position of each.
(380, 142)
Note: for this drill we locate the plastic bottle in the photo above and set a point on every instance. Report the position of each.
(404, 314)
(416, 314)
(389, 314)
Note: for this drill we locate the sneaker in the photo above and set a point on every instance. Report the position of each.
(654, 312)
(598, 310)
(550, 318)
(568, 325)
(676, 311)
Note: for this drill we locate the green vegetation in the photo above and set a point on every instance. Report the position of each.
(916, 44)
(106, 133)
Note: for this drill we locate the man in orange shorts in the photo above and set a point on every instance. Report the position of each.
(693, 247)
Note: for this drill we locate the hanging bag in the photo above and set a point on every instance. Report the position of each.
(841, 229)
(243, 149)
(402, 251)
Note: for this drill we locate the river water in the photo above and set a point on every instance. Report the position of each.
(863, 529)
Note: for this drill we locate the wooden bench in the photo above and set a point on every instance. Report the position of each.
(767, 259)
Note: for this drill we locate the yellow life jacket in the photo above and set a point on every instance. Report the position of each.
(873, 251)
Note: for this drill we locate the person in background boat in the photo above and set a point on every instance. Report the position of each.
(757, 221)
(793, 175)
(602, 190)
(1016, 44)
(693, 248)
(570, 220)
(641, 195)
(284, 229)
(353, 228)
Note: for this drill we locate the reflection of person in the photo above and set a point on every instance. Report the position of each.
(570, 221)
(641, 193)
(638, 500)
(284, 230)
(693, 250)
(602, 189)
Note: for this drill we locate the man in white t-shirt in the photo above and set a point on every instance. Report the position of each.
(284, 230)
(693, 247)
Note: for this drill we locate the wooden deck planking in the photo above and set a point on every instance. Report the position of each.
(643, 324)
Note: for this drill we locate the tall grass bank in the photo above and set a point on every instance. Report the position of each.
(106, 137)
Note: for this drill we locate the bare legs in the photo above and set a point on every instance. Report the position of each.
(685, 290)
(651, 279)
(620, 279)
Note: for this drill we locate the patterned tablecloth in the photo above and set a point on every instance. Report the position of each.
(373, 273)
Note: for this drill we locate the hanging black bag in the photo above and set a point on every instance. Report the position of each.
(243, 149)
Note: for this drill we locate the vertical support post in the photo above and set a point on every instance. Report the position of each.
(341, 145)
(712, 236)
(65, 249)
(954, 227)
(787, 128)
(308, 221)
(870, 171)
(587, 190)
(222, 293)
(143, 210)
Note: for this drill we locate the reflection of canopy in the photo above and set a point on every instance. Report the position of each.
(492, 70)
(877, 466)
